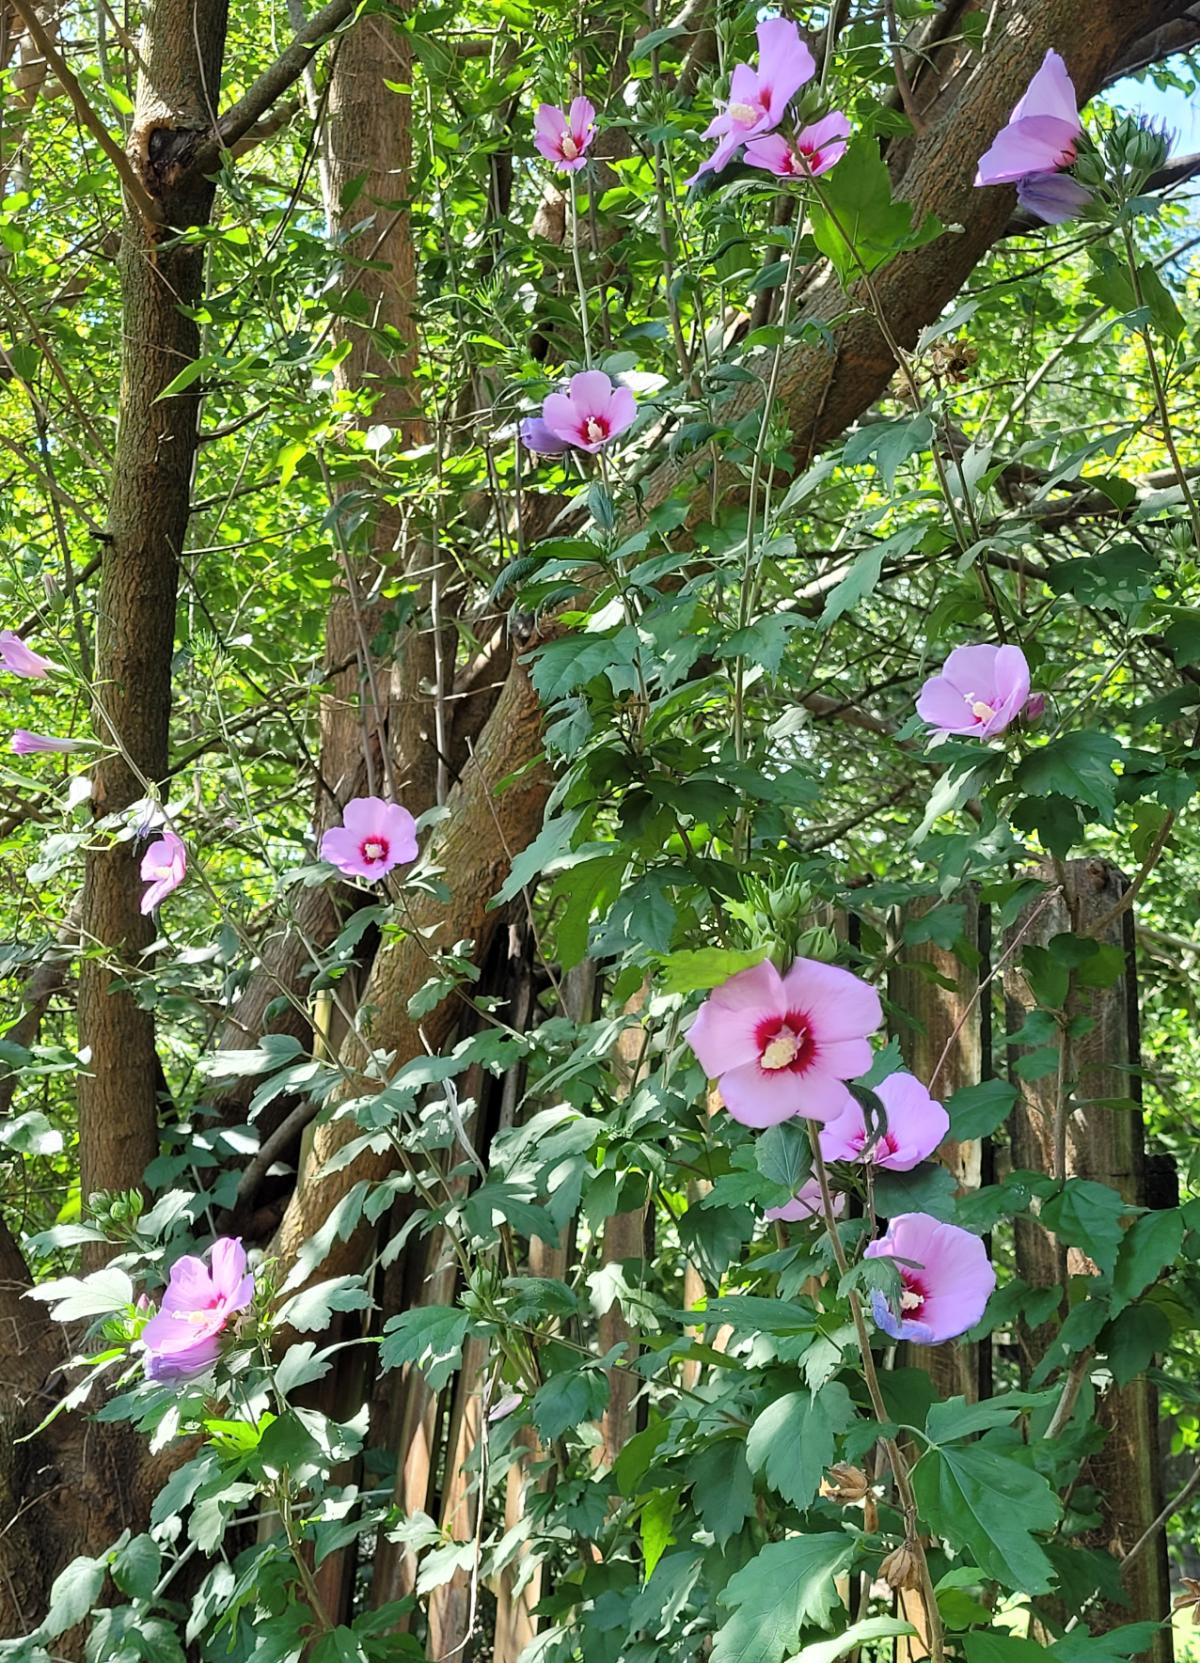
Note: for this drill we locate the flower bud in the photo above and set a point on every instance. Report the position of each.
(902, 1567)
(1035, 708)
(846, 1484)
(1146, 147)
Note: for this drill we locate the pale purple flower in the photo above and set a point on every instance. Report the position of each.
(1052, 197)
(374, 836)
(946, 1279)
(164, 866)
(916, 1124)
(536, 436)
(25, 743)
(1035, 708)
(814, 149)
(783, 1045)
(593, 411)
(564, 139)
(20, 660)
(980, 691)
(758, 97)
(1039, 141)
(200, 1300)
(806, 1203)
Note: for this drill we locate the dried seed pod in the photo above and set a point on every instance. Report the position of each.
(846, 1484)
(902, 1567)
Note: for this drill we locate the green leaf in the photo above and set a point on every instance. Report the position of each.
(1001, 1648)
(1128, 1641)
(696, 969)
(956, 1418)
(989, 1505)
(1087, 1215)
(783, 1587)
(339, 1645)
(654, 1527)
(928, 1188)
(74, 1592)
(1078, 766)
(1133, 1339)
(871, 1628)
(722, 1487)
(428, 1336)
(783, 1154)
(1146, 1250)
(792, 1441)
(312, 1307)
(137, 1567)
(551, 842)
(855, 223)
(976, 1111)
(888, 444)
(568, 1399)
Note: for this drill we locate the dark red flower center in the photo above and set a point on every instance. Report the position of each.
(784, 1042)
(885, 1145)
(373, 849)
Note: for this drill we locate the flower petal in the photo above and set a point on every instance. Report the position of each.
(838, 1004)
(1050, 93)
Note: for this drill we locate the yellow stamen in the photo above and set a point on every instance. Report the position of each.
(781, 1051)
(569, 148)
(744, 114)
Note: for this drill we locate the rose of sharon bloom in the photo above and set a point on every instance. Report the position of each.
(783, 1045)
(535, 435)
(373, 837)
(25, 743)
(20, 660)
(916, 1124)
(946, 1279)
(164, 866)
(758, 97)
(806, 1203)
(200, 1299)
(813, 150)
(980, 691)
(1038, 142)
(563, 139)
(591, 412)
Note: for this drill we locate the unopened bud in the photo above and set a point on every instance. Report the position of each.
(1146, 147)
(846, 1484)
(1035, 708)
(902, 1567)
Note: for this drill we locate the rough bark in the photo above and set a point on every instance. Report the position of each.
(1104, 1144)
(182, 47)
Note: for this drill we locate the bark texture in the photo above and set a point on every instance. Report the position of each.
(182, 47)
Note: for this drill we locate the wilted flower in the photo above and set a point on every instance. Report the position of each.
(1189, 1600)
(25, 743)
(374, 836)
(783, 1045)
(1039, 141)
(846, 1484)
(200, 1300)
(812, 150)
(758, 97)
(916, 1124)
(946, 1279)
(806, 1203)
(902, 1567)
(164, 866)
(564, 139)
(593, 411)
(20, 660)
(980, 691)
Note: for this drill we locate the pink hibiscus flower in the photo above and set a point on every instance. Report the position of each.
(758, 97)
(812, 150)
(980, 691)
(806, 1203)
(25, 743)
(164, 866)
(564, 139)
(1038, 142)
(946, 1279)
(20, 660)
(783, 1045)
(374, 836)
(591, 413)
(200, 1300)
(916, 1124)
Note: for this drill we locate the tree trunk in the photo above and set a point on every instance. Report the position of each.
(182, 48)
(1106, 1145)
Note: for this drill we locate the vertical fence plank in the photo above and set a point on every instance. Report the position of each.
(450, 1605)
(1106, 1144)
